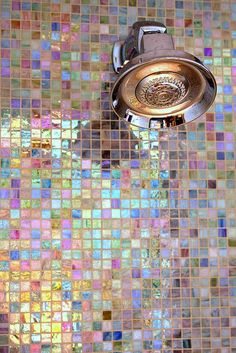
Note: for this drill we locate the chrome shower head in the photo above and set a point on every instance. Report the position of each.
(158, 86)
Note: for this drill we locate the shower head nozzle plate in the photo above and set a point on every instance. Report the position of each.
(161, 90)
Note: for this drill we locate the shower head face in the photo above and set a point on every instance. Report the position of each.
(162, 87)
(166, 91)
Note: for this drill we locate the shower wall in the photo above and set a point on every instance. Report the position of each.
(113, 238)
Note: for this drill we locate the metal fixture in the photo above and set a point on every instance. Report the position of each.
(158, 86)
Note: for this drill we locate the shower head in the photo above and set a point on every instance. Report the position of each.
(158, 86)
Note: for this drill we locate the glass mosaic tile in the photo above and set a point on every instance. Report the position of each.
(113, 238)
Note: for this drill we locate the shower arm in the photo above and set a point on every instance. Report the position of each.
(144, 36)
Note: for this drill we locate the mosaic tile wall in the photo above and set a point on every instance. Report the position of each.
(113, 239)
